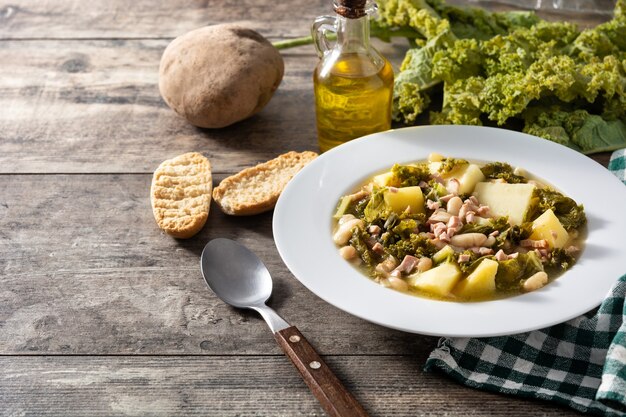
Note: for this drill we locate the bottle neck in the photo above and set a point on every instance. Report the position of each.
(353, 35)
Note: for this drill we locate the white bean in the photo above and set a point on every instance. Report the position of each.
(345, 218)
(348, 252)
(490, 241)
(435, 157)
(454, 205)
(439, 244)
(535, 281)
(440, 216)
(398, 283)
(424, 264)
(468, 240)
(387, 265)
(453, 186)
(343, 233)
(463, 210)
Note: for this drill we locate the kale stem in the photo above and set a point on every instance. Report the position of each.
(383, 34)
(291, 43)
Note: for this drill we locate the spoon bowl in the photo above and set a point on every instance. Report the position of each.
(235, 274)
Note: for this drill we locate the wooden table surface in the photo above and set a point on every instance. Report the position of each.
(103, 314)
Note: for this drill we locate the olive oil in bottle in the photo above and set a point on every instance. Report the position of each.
(353, 82)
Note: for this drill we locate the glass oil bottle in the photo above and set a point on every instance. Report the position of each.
(353, 82)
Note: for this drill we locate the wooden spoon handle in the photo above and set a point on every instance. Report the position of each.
(334, 397)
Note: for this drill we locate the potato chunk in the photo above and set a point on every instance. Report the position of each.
(548, 227)
(468, 177)
(433, 167)
(398, 199)
(512, 200)
(385, 179)
(481, 283)
(438, 281)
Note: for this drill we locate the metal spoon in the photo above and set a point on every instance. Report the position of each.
(239, 278)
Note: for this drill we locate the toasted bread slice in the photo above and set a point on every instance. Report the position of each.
(255, 190)
(181, 194)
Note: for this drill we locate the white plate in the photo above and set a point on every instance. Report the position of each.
(302, 230)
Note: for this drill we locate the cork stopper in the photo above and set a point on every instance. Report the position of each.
(351, 9)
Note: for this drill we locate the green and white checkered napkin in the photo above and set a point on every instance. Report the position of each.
(617, 165)
(580, 363)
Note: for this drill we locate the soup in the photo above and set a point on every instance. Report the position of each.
(455, 230)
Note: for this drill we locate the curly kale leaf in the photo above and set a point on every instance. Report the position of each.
(411, 85)
(502, 76)
(549, 123)
(405, 228)
(360, 206)
(474, 261)
(517, 233)
(571, 215)
(463, 59)
(526, 66)
(509, 273)
(605, 39)
(512, 271)
(420, 218)
(500, 224)
(606, 77)
(614, 108)
(416, 14)
(577, 129)
(516, 51)
(417, 68)
(513, 235)
(517, 19)
(411, 175)
(384, 32)
(476, 23)
(461, 103)
(409, 101)
(450, 164)
(358, 242)
(436, 191)
(415, 245)
(410, 96)
(594, 134)
(507, 95)
(560, 259)
(376, 208)
(502, 170)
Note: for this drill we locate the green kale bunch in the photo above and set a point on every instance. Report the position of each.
(511, 69)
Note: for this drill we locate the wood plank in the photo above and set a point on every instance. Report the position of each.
(235, 386)
(138, 19)
(94, 106)
(85, 270)
(148, 19)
